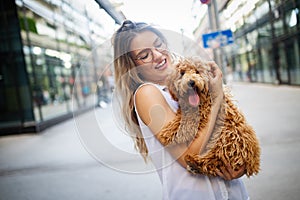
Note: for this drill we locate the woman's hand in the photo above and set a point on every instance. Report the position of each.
(215, 81)
(227, 173)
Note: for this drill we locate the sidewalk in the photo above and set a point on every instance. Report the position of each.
(73, 161)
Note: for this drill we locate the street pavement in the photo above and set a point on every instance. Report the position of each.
(90, 158)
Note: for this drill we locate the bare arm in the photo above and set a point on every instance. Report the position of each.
(216, 92)
(156, 113)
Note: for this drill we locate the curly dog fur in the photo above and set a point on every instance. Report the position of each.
(232, 141)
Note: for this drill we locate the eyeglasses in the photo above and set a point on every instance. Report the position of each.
(147, 55)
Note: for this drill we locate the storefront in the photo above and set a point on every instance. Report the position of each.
(267, 44)
(46, 44)
(266, 34)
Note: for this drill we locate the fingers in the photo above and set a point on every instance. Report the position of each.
(214, 69)
(220, 174)
(213, 65)
(228, 173)
(215, 82)
(240, 172)
(217, 72)
(235, 174)
(228, 167)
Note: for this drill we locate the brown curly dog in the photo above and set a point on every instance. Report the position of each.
(232, 141)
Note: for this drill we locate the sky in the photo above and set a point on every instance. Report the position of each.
(169, 14)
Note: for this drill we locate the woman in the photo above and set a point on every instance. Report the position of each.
(142, 63)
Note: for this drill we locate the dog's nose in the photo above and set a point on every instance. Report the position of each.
(191, 83)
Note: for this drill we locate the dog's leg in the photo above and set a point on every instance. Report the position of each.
(189, 124)
(167, 135)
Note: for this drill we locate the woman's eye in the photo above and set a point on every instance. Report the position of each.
(144, 56)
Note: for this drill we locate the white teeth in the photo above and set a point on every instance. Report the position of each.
(161, 64)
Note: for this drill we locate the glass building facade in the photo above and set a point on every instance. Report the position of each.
(44, 43)
(266, 45)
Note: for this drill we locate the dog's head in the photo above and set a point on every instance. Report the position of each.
(189, 81)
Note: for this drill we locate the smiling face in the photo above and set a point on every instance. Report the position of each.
(151, 57)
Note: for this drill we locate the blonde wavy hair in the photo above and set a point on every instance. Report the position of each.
(127, 79)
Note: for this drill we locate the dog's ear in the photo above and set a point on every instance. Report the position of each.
(172, 89)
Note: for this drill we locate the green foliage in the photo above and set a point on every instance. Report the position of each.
(31, 24)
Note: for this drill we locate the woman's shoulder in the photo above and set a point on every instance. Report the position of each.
(149, 92)
(149, 87)
(149, 100)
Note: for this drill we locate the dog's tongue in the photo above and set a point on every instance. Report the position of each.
(194, 99)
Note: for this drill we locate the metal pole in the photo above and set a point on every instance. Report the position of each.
(214, 24)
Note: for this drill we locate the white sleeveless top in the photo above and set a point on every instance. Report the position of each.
(177, 183)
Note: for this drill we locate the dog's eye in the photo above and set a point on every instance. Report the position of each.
(182, 73)
(197, 72)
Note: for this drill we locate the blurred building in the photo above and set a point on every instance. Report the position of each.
(266, 33)
(44, 44)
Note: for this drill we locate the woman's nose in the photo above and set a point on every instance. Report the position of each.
(156, 53)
